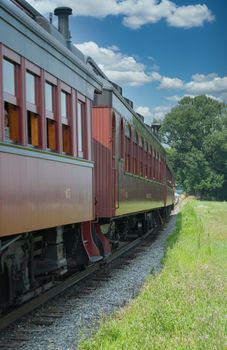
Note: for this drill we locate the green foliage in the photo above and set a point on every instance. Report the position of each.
(184, 306)
(196, 131)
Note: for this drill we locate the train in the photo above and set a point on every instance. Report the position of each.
(80, 171)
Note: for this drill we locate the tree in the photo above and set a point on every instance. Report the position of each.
(196, 131)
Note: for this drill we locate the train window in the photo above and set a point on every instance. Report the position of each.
(51, 124)
(66, 139)
(157, 166)
(154, 163)
(141, 168)
(140, 141)
(51, 134)
(33, 128)
(64, 111)
(9, 74)
(10, 79)
(135, 153)
(66, 130)
(161, 171)
(30, 88)
(150, 162)
(80, 111)
(128, 131)
(33, 120)
(141, 160)
(11, 121)
(49, 96)
(146, 159)
(127, 148)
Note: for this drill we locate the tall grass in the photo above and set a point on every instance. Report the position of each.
(184, 307)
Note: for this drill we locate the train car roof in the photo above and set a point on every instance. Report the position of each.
(36, 22)
(117, 91)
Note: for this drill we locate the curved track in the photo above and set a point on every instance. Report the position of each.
(60, 286)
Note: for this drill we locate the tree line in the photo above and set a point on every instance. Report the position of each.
(195, 132)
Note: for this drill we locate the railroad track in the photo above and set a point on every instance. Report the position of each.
(61, 286)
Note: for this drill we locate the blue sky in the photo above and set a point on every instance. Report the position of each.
(158, 51)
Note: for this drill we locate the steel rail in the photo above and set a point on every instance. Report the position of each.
(31, 305)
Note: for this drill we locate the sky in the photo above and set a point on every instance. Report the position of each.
(158, 50)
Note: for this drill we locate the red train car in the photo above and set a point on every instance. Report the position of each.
(134, 186)
(60, 206)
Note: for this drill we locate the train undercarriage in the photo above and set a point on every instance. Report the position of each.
(30, 262)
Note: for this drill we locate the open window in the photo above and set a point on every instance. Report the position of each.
(51, 125)
(66, 139)
(51, 134)
(33, 128)
(11, 122)
(33, 119)
(11, 108)
(66, 131)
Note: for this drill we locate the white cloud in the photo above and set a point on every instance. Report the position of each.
(120, 68)
(210, 85)
(126, 70)
(144, 111)
(136, 13)
(157, 113)
(177, 98)
(174, 98)
(216, 98)
(201, 77)
(80, 8)
(207, 84)
(190, 16)
(171, 83)
(160, 112)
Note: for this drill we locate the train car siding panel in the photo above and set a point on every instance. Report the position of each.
(37, 192)
(138, 194)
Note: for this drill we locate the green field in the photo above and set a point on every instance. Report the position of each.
(185, 306)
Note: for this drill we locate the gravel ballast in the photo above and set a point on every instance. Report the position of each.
(83, 314)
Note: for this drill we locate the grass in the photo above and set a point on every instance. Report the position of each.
(184, 307)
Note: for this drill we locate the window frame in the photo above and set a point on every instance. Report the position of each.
(34, 107)
(66, 121)
(51, 115)
(128, 147)
(81, 153)
(8, 98)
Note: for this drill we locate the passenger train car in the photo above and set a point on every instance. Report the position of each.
(79, 169)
